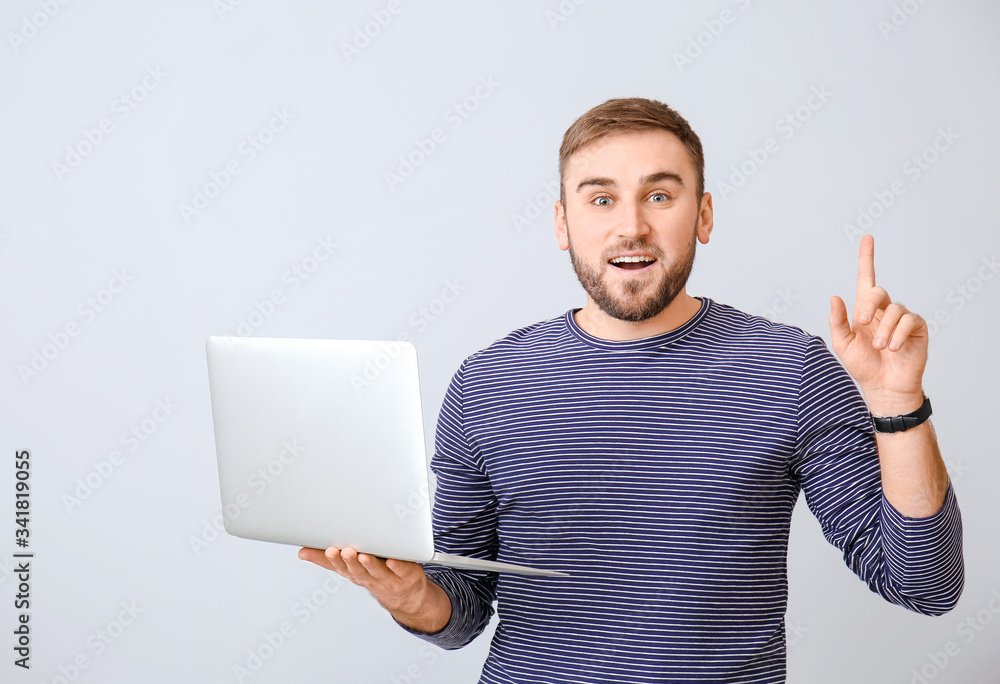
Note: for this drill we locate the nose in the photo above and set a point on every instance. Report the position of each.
(631, 222)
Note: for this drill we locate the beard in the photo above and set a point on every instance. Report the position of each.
(635, 299)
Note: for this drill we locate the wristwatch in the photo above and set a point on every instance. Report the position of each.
(901, 423)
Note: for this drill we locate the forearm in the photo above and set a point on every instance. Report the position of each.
(914, 477)
(429, 612)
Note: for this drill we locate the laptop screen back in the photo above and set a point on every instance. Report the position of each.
(320, 443)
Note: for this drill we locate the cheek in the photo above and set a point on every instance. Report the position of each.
(588, 236)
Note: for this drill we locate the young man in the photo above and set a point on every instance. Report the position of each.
(653, 444)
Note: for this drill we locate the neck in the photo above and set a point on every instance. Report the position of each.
(597, 323)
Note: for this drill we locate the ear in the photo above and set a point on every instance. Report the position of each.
(560, 225)
(706, 218)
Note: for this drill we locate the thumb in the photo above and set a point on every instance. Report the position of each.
(840, 327)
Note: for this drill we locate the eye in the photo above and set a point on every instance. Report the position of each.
(662, 195)
(598, 200)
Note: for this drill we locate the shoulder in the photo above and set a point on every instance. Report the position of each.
(727, 322)
(521, 345)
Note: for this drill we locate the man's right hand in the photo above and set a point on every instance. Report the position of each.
(401, 587)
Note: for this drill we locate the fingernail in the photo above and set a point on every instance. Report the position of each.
(879, 342)
(864, 317)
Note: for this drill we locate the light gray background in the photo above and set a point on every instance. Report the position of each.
(456, 221)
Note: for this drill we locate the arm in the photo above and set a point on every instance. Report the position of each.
(884, 347)
(465, 523)
(431, 613)
(914, 562)
(914, 476)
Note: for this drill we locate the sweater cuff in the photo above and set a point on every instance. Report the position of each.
(923, 556)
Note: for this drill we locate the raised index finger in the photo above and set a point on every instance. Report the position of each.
(866, 266)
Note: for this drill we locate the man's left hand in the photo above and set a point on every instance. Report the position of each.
(884, 347)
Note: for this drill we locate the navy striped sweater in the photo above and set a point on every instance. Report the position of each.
(661, 473)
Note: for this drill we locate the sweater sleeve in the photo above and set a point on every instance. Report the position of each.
(464, 524)
(916, 563)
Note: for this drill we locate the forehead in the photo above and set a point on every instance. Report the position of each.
(631, 155)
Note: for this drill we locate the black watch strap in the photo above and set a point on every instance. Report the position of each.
(901, 423)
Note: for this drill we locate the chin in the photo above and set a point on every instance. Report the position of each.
(636, 313)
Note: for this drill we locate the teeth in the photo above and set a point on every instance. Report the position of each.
(625, 260)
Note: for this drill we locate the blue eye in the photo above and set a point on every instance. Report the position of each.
(660, 194)
(598, 200)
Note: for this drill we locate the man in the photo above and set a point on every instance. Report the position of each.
(653, 444)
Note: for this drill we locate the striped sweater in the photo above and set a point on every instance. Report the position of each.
(661, 473)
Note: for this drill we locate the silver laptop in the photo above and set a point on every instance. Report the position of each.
(320, 443)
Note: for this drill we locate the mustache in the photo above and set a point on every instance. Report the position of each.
(647, 249)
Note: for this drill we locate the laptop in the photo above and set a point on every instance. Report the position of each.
(320, 443)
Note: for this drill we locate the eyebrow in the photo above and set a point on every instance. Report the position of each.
(651, 178)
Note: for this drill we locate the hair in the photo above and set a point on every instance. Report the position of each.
(622, 115)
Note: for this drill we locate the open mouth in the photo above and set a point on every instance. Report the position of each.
(632, 263)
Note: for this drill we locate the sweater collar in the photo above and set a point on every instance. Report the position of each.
(643, 342)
